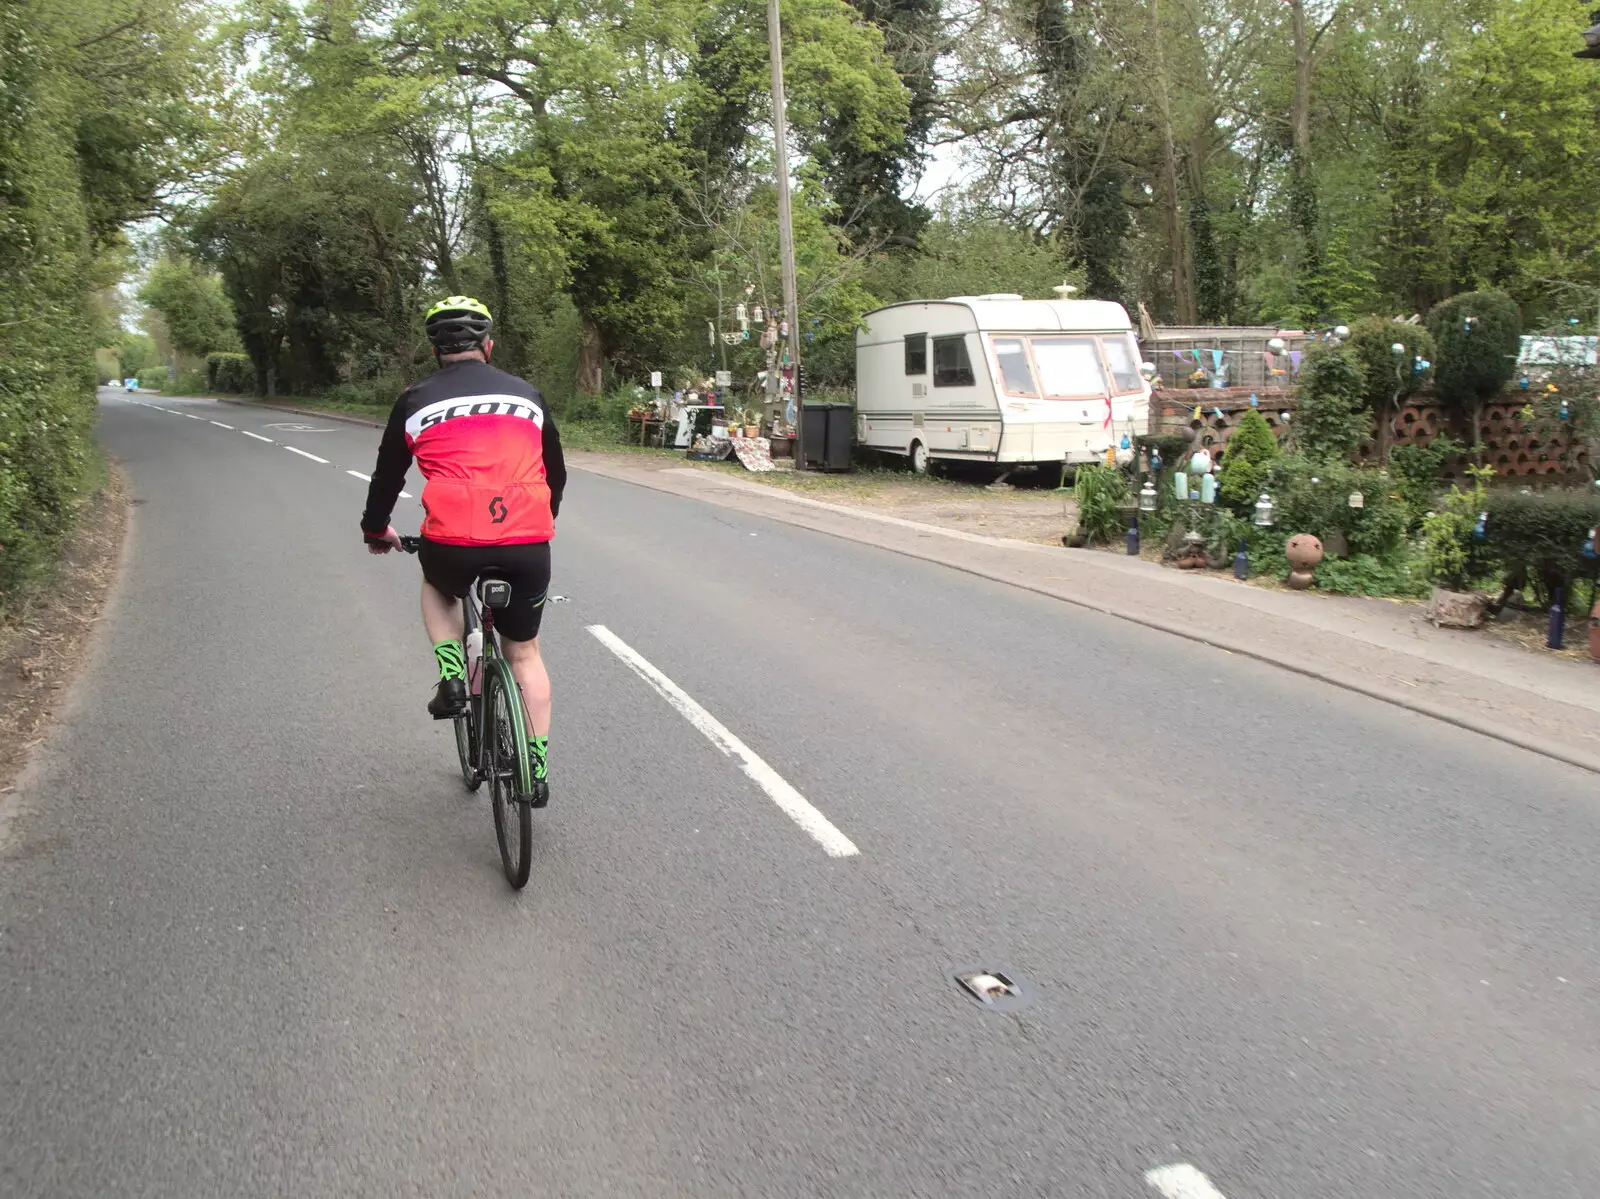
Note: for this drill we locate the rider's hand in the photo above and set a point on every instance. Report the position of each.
(389, 541)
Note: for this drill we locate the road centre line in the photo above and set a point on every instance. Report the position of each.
(303, 454)
(191, 416)
(258, 436)
(359, 475)
(834, 843)
(1182, 1181)
(220, 425)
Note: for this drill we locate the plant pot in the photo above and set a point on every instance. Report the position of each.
(752, 430)
(1457, 609)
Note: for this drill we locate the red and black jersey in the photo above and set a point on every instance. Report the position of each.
(489, 450)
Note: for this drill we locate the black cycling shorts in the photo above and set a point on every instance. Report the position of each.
(525, 565)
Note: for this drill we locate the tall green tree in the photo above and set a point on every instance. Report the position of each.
(193, 306)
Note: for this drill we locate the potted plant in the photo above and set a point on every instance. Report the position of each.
(1449, 539)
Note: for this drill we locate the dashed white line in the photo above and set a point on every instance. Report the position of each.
(257, 436)
(220, 425)
(191, 416)
(1182, 1181)
(359, 475)
(303, 454)
(834, 843)
(405, 495)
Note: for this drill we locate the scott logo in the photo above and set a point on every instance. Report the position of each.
(498, 510)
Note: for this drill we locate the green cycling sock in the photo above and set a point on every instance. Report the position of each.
(538, 755)
(452, 662)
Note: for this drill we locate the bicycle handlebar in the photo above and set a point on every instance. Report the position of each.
(410, 545)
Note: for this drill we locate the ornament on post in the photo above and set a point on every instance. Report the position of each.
(1147, 501)
(1264, 512)
(756, 315)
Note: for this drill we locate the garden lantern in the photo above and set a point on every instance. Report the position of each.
(1147, 496)
(1264, 512)
(1275, 344)
(1148, 370)
(1341, 332)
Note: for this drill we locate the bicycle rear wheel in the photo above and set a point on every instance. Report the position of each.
(467, 745)
(510, 780)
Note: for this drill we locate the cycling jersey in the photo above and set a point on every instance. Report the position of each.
(489, 450)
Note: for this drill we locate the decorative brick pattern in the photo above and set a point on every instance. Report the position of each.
(1538, 450)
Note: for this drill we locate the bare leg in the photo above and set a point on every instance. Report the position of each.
(528, 665)
(441, 614)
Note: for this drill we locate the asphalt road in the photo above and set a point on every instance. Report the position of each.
(254, 939)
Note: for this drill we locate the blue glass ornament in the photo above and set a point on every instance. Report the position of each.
(1155, 459)
(1480, 531)
(1523, 382)
(1126, 442)
(1254, 401)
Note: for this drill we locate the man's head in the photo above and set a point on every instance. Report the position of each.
(459, 328)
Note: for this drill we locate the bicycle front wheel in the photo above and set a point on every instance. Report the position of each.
(510, 775)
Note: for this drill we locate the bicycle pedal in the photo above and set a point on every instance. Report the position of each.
(449, 715)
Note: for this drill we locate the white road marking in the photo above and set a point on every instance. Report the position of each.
(191, 416)
(795, 805)
(1182, 1181)
(220, 425)
(405, 495)
(303, 454)
(359, 475)
(257, 436)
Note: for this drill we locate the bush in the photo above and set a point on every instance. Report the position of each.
(1250, 452)
(189, 383)
(1416, 474)
(1542, 534)
(156, 377)
(1362, 574)
(363, 393)
(1449, 553)
(1314, 497)
(1479, 334)
(1101, 491)
(1372, 340)
(1331, 418)
(232, 373)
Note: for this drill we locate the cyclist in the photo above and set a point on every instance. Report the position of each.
(489, 450)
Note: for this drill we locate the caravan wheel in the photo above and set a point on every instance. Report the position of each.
(919, 457)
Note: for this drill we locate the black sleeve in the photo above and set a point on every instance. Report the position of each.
(555, 465)
(389, 475)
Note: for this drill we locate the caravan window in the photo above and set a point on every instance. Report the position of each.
(1124, 364)
(916, 353)
(1070, 367)
(1016, 375)
(951, 366)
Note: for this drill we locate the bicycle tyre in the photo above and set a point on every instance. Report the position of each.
(467, 746)
(510, 773)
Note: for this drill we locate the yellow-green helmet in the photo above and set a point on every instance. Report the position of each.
(457, 324)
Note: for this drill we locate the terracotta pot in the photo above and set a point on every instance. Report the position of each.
(1304, 552)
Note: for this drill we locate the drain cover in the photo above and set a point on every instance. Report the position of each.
(994, 988)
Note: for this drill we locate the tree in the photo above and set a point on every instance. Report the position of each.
(1250, 451)
(1330, 416)
(191, 302)
(1391, 378)
(96, 103)
(1478, 334)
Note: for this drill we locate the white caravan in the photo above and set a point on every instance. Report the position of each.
(1000, 379)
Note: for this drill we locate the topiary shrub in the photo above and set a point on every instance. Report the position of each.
(1250, 452)
(1479, 334)
(1331, 416)
(1391, 378)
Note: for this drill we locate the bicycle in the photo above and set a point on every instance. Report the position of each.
(494, 701)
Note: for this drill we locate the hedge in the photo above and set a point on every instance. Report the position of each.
(1542, 533)
(233, 373)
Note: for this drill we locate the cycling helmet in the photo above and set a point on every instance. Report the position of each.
(458, 324)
